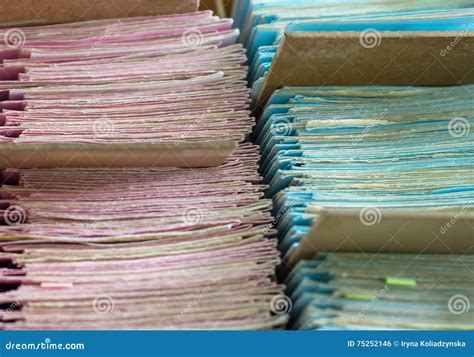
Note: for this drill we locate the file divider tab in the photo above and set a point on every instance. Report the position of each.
(406, 58)
(50, 155)
(43, 12)
(416, 232)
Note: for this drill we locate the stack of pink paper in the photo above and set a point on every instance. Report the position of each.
(139, 248)
(152, 79)
(134, 248)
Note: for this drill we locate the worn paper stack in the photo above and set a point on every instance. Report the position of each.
(383, 291)
(265, 25)
(366, 149)
(134, 248)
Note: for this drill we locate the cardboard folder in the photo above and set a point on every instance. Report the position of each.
(49, 155)
(399, 58)
(436, 232)
(34, 12)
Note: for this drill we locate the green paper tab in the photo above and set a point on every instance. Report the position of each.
(355, 296)
(400, 281)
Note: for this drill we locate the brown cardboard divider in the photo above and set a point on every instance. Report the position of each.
(49, 155)
(350, 59)
(40, 12)
(222, 8)
(388, 231)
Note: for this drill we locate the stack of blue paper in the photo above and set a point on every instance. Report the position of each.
(382, 291)
(264, 22)
(403, 148)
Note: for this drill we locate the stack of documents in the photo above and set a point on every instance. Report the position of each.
(383, 291)
(263, 23)
(152, 79)
(139, 248)
(133, 248)
(367, 149)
